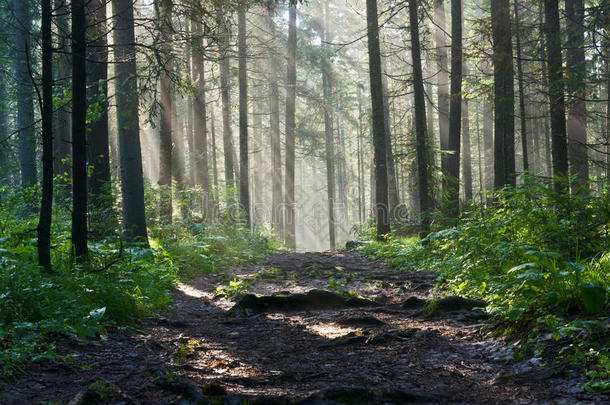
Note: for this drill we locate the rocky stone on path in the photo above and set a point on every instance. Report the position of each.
(312, 300)
(353, 244)
(452, 303)
(414, 303)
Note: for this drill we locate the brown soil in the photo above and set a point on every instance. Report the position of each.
(201, 351)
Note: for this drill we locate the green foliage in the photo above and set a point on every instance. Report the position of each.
(187, 350)
(207, 247)
(235, 290)
(534, 256)
(35, 307)
(115, 288)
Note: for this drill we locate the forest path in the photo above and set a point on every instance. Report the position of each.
(384, 353)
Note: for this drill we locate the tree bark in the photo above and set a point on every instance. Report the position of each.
(378, 118)
(225, 92)
(425, 201)
(522, 117)
(244, 174)
(25, 106)
(46, 202)
(79, 131)
(200, 134)
(393, 195)
(62, 138)
(504, 95)
(328, 130)
(291, 81)
(277, 206)
(556, 94)
(452, 192)
(577, 88)
(361, 191)
(442, 87)
(214, 160)
(488, 143)
(466, 150)
(132, 182)
(163, 10)
(97, 138)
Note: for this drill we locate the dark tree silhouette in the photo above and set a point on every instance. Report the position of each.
(132, 181)
(504, 95)
(381, 174)
(291, 81)
(79, 130)
(425, 200)
(46, 113)
(556, 92)
(452, 192)
(25, 106)
(244, 174)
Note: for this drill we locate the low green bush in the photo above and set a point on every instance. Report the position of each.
(117, 286)
(540, 259)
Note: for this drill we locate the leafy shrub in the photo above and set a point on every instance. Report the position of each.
(208, 247)
(116, 287)
(533, 255)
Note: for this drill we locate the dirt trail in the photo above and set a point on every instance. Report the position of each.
(381, 353)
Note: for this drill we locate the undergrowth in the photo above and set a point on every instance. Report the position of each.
(117, 286)
(541, 260)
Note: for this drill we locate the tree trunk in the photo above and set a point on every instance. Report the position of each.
(504, 95)
(46, 202)
(545, 108)
(97, 139)
(190, 138)
(244, 174)
(343, 211)
(225, 92)
(132, 182)
(378, 118)
(79, 130)
(62, 138)
(556, 94)
(214, 160)
(423, 176)
(200, 134)
(25, 106)
(430, 130)
(488, 143)
(258, 205)
(442, 87)
(163, 10)
(522, 117)
(452, 176)
(178, 151)
(577, 88)
(291, 81)
(328, 130)
(361, 193)
(277, 206)
(190, 106)
(480, 153)
(466, 151)
(393, 196)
